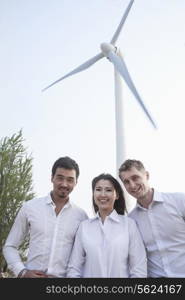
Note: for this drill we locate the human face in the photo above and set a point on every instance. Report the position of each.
(104, 196)
(136, 182)
(63, 181)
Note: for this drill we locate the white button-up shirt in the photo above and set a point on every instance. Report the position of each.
(51, 236)
(162, 227)
(110, 249)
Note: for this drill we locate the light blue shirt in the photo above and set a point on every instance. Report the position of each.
(162, 227)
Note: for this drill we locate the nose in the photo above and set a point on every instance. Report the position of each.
(103, 193)
(64, 183)
(132, 184)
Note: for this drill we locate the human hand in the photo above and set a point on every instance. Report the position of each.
(35, 274)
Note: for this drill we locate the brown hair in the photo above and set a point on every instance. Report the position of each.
(129, 163)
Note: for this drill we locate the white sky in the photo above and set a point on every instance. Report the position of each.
(42, 40)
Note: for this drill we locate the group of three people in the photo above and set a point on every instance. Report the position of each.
(64, 242)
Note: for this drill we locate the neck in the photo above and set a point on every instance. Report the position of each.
(58, 200)
(103, 214)
(146, 199)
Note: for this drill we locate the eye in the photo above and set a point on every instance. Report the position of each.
(135, 178)
(109, 190)
(71, 180)
(60, 178)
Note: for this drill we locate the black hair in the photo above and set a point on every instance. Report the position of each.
(66, 163)
(119, 204)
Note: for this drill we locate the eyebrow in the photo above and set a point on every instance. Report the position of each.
(69, 177)
(106, 187)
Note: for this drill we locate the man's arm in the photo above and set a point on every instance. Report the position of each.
(15, 238)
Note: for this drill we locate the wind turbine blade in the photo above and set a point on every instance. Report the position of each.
(118, 30)
(82, 67)
(121, 67)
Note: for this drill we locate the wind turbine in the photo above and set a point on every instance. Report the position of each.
(110, 51)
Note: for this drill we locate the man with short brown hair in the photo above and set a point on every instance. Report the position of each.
(160, 218)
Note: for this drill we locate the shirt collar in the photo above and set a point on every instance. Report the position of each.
(50, 201)
(113, 216)
(157, 197)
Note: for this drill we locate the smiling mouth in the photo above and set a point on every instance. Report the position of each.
(63, 189)
(103, 201)
(136, 191)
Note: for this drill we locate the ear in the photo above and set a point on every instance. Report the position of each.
(52, 178)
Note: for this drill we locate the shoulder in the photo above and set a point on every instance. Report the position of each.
(89, 223)
(132, 214)
(35, 202)
(175, 201)
(84, 226)
(127, 220)
(78, 211)
(123, 218)
(129, 225)
(173, 196)
(85, 223)
(30, 206)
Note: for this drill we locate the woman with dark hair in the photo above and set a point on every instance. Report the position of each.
(119, 204)
(108, 245)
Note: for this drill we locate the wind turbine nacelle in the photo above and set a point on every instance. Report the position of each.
(107, 48)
